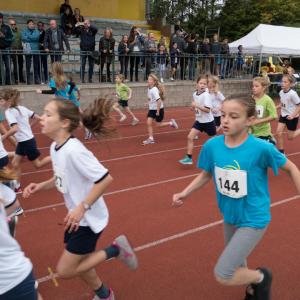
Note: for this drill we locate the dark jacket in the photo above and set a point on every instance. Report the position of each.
(225, 49)
(205, 49)
(48, 42)
(5, 41)
(191, 47)
(42, 40)
(63, 8)
(181, 45)
(87, 38)
(122, 49)
(174, 54)
(108, 45)
(162, 58)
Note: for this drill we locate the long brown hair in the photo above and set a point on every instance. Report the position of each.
(160, 87)
(96, 117)
(11, 95)
(59, 76)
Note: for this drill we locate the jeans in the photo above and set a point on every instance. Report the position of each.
(44, 66)
(17, 60)
(124, 59)
(82, 66)
(6, 63)
(134, 65)
(36, 68)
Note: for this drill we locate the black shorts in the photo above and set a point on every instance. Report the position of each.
(159, 118)
(29, 149)
(123, 103)
(25, 290)
(268, 138)
(290, 124)
(209, 128)
(83, 241)
(217, 121)
(4, 162)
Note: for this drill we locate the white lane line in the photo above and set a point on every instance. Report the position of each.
(133, 188)
(181, 234)
(121, 158)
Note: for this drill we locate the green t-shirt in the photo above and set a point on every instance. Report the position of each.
(122, 91)
(265, 107)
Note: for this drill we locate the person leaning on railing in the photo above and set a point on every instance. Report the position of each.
(53, 42)
(6, 38)
(123, 50)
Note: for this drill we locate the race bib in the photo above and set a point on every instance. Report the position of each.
(231, 183)
(259, 111)
(60, 181)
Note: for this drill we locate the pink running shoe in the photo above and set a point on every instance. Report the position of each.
(127, 255)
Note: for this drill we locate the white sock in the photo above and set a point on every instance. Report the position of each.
(261, 277)
(151, 138)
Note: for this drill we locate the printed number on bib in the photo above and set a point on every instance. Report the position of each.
(231, 183)
(259, 111)
(60, 182)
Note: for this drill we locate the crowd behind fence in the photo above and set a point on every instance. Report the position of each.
(19, 67)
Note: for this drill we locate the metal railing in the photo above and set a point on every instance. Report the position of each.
(19, 67)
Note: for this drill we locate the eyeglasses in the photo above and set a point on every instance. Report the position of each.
(14, 24)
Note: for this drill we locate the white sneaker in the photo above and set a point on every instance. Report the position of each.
(110, 297)
(134, 122)
(123, 118)
(172, 79)
(148, 141)
(162, 80)
(173, 124)
(87, 135)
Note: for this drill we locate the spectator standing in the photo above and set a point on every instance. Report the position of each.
(240, 61)
(181, 45)
(6, 38)
(43, 53)
(87, 35)
(30, 39)
(54, 39)
(191, 50)
(106, 49)
(205, 51)
(162, 57)
(174, 55)
(224, 58)
(17, 58)
(63, 7)
(67, 22)
(77, 19)
(150, 51)
(136, 43)
(123, 50)
(215, 55)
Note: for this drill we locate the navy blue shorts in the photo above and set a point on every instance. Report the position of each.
(217, 121)
(123, 103)
(159, 118)
(4, 162)
(23, 291)
(209, 128)
(290, 124)
(83, 241)
(29, 149)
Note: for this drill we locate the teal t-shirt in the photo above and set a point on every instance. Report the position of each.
(241, 178)
(66, 92)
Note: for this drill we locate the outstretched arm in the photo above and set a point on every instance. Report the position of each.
(291, 169)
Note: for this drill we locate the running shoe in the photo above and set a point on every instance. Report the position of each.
(88, 135)
(262, 290)
(126, 255)
(173, 124)
(110, 297)
(18, 190)
(135, 121)
(123, 118)
(148, 141)
(186, 161)
(12, 224)
(18, 211)
(248, 295)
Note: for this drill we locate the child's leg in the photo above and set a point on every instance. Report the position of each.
(279, 135)
(38, 163)
(131, 113)
(116, 108)
(11, 139)
(16, 164)
(150, 127)
(190, 141)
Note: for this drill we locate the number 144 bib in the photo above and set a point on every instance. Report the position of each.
(231, 183)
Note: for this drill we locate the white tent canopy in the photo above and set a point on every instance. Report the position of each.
(269, 39)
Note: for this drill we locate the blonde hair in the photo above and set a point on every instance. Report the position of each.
(59, 76)
(264, 81)
(216, 81)
(12, 95)
(160, 87)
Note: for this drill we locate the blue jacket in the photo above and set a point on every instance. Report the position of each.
(32, 37)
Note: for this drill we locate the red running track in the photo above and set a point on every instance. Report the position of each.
(177, 247)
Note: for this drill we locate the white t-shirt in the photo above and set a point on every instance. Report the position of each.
(153, 97)
(217, 100)
(14, 266)
(289, 102)
(76, 170)
(20, 115)
(3, 152)
(7, 195)
(203, 100)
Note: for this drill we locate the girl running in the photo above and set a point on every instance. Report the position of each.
(289, 114)
(82, 180)
(239, 164)
(156, 96)
(18, 119)
(202, 105)
(265, 110)
(123, 93)
(217, 99)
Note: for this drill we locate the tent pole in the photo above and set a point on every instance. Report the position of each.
(260, 59)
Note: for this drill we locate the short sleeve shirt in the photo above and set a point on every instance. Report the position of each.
(289, 102)
(239, 169)
(203, 100)
(20, 116)
(153, 97)
(122, 91)
(217, 100)
(76, 170)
